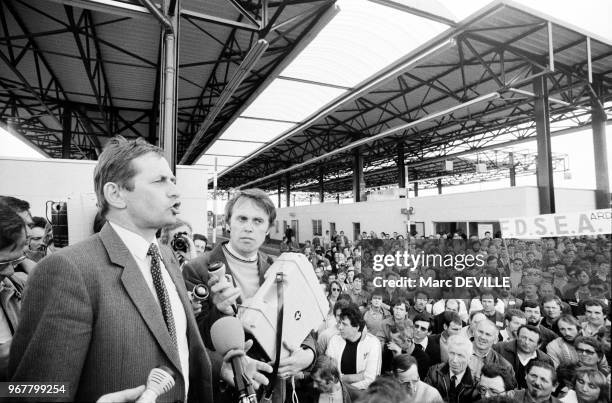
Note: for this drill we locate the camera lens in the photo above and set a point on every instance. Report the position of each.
(200, 292)
(179, 244)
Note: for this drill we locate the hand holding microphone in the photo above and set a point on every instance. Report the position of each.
(160, 381)
(246, 374)
(223, 290)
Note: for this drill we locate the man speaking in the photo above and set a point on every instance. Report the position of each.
(250, 214)
(101, 314)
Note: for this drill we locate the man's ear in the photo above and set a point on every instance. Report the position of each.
(114, 195)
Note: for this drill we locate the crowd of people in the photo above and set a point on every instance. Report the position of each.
(101, 314)
(550, 316)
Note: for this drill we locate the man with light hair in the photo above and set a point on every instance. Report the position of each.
(486, 335)
(453, 379)
(470, 330)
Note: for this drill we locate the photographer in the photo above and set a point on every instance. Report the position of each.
(179, 237)
(40, 234)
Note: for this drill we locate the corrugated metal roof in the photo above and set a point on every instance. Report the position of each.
(129, 43)
(438, 82)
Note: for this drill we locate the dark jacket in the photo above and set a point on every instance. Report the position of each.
(196, 272)
(508, 350)
(547, 336)
(10, 300)
(433, 348)
(493, 357)
(422, 359)
(439, 377)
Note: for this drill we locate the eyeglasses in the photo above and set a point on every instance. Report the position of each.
(583, 351)
(13, 262)
(423, 328)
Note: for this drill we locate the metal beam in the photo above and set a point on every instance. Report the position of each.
(401, 170)
(418, 11)
(357, 178)
(546, 189)
(318, 20)
(218, 20)
(602, 187)
(288, 188)
(96, 74)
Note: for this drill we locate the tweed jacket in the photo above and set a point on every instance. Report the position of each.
(88, 318)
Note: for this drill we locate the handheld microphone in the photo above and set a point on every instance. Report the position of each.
(217, 271)
(227, 334)
(160, 381)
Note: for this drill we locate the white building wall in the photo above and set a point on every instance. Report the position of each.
(378, 216)
(571, 200)
(40, 180)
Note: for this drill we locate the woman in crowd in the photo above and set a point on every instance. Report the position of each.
(335, 288)
(590, 386)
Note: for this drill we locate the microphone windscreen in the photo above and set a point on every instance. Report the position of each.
(160, 380)
(227, 334)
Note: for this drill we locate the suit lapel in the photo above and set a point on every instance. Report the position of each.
(138, 291)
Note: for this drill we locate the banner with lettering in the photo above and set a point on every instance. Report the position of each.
(588, 222)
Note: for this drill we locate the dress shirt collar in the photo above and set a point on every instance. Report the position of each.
(525, 360)
(459, 376)
(424, 342)
(136, 244)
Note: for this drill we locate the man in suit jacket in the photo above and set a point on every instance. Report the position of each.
(101, 314)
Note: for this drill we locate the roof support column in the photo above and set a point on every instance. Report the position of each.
(358, 179)
(401, 170)
(602, 184)
(169, 71)
(66, 131)
(280, 191)
(544, 170)
(512, 170)
(440, 186)
(288, 188)
(321, 186)
(152, 127)
(416, 186)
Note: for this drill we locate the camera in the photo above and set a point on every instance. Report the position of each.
(200, 292)
(179, 243)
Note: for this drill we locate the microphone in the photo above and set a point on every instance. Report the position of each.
(217, 271)
(227, 334)
(160, 381)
